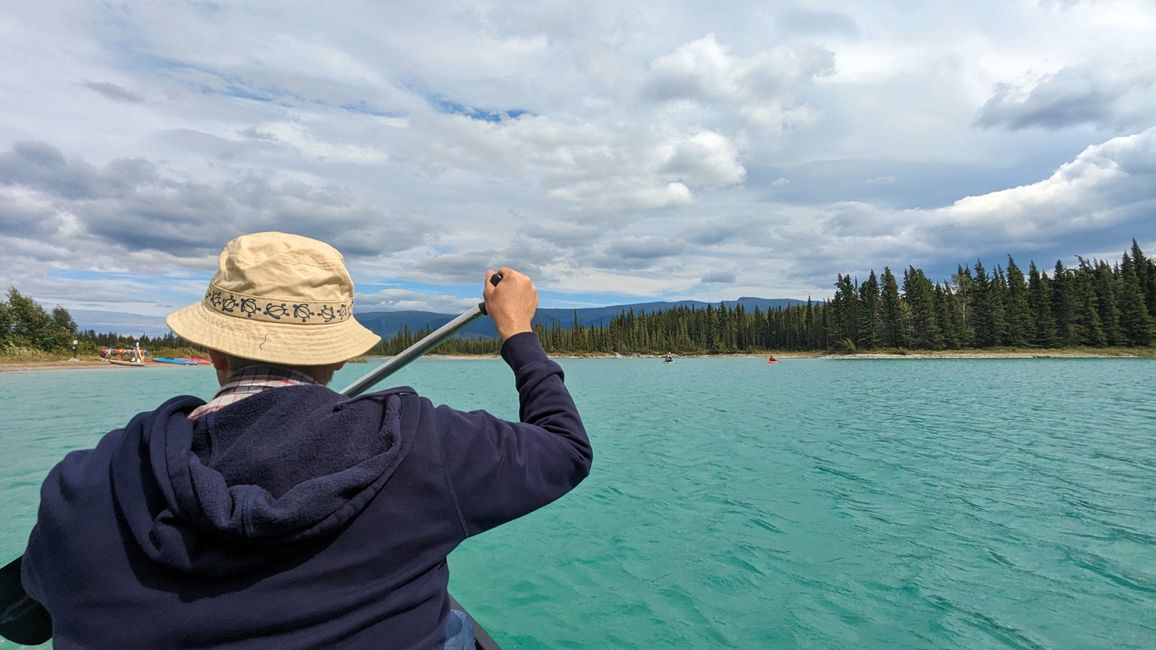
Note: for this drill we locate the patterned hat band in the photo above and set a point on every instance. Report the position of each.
(276, 311)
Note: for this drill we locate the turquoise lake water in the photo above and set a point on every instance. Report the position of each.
(735, 504)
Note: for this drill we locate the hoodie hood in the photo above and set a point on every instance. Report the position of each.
(251, 484)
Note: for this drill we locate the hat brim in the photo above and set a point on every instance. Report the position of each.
(281, 343)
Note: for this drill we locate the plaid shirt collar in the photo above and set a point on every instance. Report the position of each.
(248, 381)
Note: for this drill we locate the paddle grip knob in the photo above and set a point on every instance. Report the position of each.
(494, 280)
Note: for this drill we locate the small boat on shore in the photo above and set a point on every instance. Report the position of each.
(197, 360)
(133, 356)
(123, 362)
(179, 362)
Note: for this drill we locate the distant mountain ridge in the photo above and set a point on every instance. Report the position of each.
(389, 323)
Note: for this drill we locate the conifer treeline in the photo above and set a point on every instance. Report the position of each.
(405, 338)
(1094, 304)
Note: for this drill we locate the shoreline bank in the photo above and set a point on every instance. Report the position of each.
(957, 354)
(20, 365)
(25, 365)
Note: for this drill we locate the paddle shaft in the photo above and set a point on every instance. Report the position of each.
(427, 343)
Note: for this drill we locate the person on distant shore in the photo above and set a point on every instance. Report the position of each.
(282, 514)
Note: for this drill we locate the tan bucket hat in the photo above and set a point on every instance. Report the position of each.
(279, 298)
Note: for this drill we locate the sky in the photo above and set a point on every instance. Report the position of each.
(616, 152)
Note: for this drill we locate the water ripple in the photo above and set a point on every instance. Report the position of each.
(828, 504)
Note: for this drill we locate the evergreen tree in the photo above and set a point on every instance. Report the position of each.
(5, 324)
(871, 312)
(920, 295)
(1043, 332)
(1145, 269)
(844, 323)
(979, 306)
(955, 334)
(1019, 321)
(1089, 326)
(943, 309)
(1064, 305)
(996, 297)
(894, 330)
(964, 288)
(1141, 267)
(1135, 321)
(1105, 283)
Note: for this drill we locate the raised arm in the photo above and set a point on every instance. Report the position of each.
(501, 470)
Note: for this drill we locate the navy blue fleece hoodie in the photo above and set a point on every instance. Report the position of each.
(296, 518)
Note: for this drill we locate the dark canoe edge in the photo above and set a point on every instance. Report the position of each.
(482, 640)
(22, 620)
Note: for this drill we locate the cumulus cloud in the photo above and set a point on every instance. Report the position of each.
(134, 205)
(609, 195)
(707, 158)
(41, 166)
(592, 168)
(27, 216)
(1106, 185)
(754, 151)
(760, 86)
(1106, 195)
(704, 70)
(408, 299)
(1115, 98)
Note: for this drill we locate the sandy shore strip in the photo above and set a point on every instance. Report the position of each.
(62, 364)
(1081, 353)
(1114, 353)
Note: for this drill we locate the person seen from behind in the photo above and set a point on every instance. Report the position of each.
(282, 514)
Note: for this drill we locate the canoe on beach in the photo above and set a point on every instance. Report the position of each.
(120, 362)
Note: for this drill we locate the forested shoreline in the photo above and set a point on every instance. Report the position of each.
(1095, 304)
